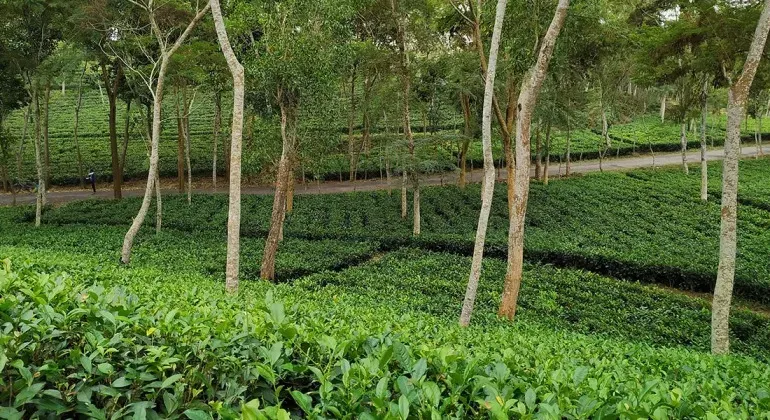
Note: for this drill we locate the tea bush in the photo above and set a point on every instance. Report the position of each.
(646, 225)
(113, 343)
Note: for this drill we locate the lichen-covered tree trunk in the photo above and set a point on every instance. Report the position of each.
(737, 99)
(527, 101)
(663, 102)
(234, 212)
(488, 187)
(288, 134)
(683, 142)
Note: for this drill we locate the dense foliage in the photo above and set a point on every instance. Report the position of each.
(619, 222)
(106, 342)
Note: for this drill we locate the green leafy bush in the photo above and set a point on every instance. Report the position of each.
(148, 345)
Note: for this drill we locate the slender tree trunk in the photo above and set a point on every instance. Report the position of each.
(546, 175)
(683, 140)
(126, 136)
(538, 154)
(234, 216)
(568, 167)
(663, 107)
(152, 177)
(158, 204)
(46, 140)
(179, 143)
(217, 125)
(7, 184)
(186, 128)
(704, 175)
(464, 161)
(406, 93)
(488, 187)
(403, 194)
(20, 152)
(291, 183)
(187, 159)
(606, 130)
(288, 134)
(81, 175)
(529, 91)
(112, 96)
(38, 161)
(737, 99)
(351, 119)
(760, 152)
(387, 167)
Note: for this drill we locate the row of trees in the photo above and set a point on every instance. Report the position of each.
(284, 59)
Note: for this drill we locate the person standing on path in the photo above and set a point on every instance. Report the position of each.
(92, 178)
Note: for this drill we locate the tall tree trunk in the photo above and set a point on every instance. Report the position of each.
(20, 152)
(538, 154)
(152, 176)
(38, 161)
(530, 89)
(288, 134)
(406, 93)
(179, 143)
(112, 96)
(760, 152)
(568, 164)
(704, 175)
(291, 183)
(217, 125)
(186, 128)
(663, 107)
(606, 130)
(79, 105)
(463, 161)
(683, 140)
(546, 169)
(403, 194)
(467, 134)
(46, 140)
(6, 159)
(351, 118)
(737, 99)
(234, 216)
(488, 187)
(126, 136)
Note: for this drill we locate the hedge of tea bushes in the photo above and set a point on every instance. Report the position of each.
(112, 342)
(646, 225)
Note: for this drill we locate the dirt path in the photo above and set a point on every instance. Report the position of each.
(64, 195)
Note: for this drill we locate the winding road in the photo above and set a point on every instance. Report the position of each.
(59, 196)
